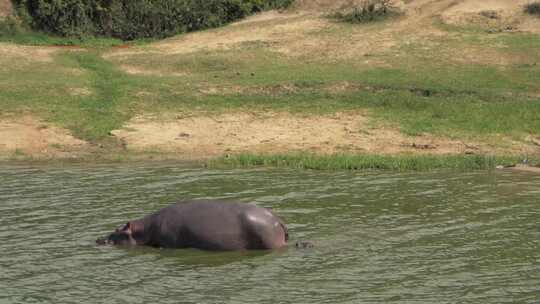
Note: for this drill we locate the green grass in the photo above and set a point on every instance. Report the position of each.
(366, 162)
(429, 97)
(47, 89)
(446, 100)
(417, 92)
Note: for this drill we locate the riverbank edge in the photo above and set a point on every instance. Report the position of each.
(299, 161)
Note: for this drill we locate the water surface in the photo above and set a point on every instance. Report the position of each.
(437, 237)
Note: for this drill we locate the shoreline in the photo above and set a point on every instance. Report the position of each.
(295, 160)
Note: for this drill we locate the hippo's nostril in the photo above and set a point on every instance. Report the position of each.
(102, 241)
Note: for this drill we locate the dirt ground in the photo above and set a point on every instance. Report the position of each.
(210, 136)
(203, 137)
(27, 136)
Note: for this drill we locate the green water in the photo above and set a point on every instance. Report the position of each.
(380, 237)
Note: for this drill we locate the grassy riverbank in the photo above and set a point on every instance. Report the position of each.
(367, 162)
(85, 93)
(419, 76)
(348, 162)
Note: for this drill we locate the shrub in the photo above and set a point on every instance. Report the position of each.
(9, 27)
(533, 8)
(133, 19)
(366, 11)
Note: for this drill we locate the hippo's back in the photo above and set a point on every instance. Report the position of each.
(217, 225)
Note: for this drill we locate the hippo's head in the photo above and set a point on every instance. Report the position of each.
(123, 235)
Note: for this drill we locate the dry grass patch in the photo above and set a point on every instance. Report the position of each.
(133, 70)
(346, 132)
(12, 53)
(28, 135)
(492, 15)
(284, 29)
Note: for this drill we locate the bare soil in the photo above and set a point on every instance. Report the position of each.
(201, 137)
(24, 55)
(27, 136)
(210, 136)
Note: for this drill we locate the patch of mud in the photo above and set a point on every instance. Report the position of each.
(204, 137)
(28, 136)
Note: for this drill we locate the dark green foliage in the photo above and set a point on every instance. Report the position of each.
(135, 19)
(533, 8)
(13, 31)
(9, 27)
(366, 11)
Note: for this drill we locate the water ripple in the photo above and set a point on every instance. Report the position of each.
(380, 237)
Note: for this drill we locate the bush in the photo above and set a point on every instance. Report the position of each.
(134, 19)
(366, 11)
(533, 8)
(9, 27)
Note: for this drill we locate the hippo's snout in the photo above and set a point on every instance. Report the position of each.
(102, 241)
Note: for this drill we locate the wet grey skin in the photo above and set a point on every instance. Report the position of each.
(206, 225)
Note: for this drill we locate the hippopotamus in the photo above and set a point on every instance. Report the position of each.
(206, 225)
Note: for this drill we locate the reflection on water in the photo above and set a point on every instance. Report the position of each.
(380, 237)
